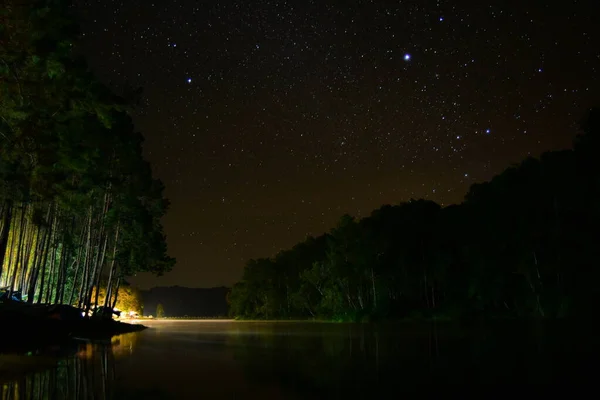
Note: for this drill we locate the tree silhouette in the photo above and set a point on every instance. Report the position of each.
(160, 311)
(520, 245)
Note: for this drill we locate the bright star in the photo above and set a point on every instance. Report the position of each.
(407, 57)
(189, 80)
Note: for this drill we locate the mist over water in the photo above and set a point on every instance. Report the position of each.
(294, 360)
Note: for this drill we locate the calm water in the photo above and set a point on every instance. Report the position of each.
(230, 360)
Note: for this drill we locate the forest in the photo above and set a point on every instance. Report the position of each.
(523, 245)
(79, 208)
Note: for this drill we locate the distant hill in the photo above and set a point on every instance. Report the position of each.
(181, 301)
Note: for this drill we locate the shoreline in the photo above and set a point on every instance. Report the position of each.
(29, 334)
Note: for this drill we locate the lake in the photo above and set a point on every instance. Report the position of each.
(178, 359)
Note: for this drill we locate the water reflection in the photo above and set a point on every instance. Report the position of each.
(350, 361)
(181, 360)
(74, 371)
(119, 346)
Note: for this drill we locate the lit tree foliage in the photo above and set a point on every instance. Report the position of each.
(77, 200)
(130, 298)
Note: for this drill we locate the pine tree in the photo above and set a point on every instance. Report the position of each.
(77, 200)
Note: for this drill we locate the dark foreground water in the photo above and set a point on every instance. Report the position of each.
(242, 360)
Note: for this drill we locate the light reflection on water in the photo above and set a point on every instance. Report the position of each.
(227, 359)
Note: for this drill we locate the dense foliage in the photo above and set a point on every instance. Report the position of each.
(129, 299)
(78, 202)
(522, 245)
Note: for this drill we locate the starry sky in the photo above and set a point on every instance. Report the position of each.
(267, 120)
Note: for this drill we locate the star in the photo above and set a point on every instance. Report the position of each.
(315, 103)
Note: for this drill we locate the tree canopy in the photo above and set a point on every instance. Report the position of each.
(77, 199)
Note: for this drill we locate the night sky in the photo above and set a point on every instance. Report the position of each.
(268, 120)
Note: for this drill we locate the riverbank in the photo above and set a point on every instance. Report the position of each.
(459, 324)
(186, 318)
(30, 334)
(24, 330)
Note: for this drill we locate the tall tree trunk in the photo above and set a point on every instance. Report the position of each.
(4, 232)
(373, 286)
(109, 285)
(33, 238)
(78, 265)
(45, 254)
(13, 238)
(86, 262)
(60, 280)
(92, 270)
(540, 284)
(53, 278)
(102, 240)
(18, 262)
(114, 254)
(38, 263)
(114, 304)
(360, 299)
(60, 277)
(52, 274)
(98, 274)
(111, 277)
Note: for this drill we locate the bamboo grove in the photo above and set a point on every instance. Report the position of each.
(79, 208)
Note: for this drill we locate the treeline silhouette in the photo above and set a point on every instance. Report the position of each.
(179, 301)
(524, 244)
